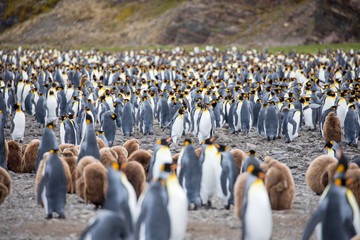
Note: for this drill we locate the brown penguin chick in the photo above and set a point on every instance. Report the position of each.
(69, 186)
(83, 80)
(106, 157)
(23, 148)
(279, 184)
(79, 184)
(122, 154)
(40, 170)
(239, 191)
(5, 184)
(136, 175)
(175, 158)
(314, 173)
(82, 164)
(332, 128)
(71, 160)
(73, 149)
(14, 161)
(198, 152)
(150, 152)
(239, 156)
(131, 145)
(62, 147)
(30, 156)
(101, 143)
(95, 183)
(6, 150)
(142, 157)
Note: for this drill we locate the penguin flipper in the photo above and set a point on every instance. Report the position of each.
(293, 123)
(314, 220)
(42, 184)
(223, 179)
(12, 126)
(181, 174)
(88, 230)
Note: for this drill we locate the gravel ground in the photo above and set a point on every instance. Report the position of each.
(22, 218)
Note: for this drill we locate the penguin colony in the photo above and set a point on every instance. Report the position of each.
(143, 194)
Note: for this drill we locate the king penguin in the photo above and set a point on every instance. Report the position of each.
(256, 213)
(351, 126)
(271, 123)
(154, 220)
(3, 159)
(52, 187)
(250, 160)
(48, 142)
(108, 125)
(18, 124)
(177, 127)
(51, 106)
(121, 196)
(89, 146)
(290, 123)
(128, 125)
(338, 215)
(40, 110)
(161, 155)
(189, 173)
(107, 225)
(206, 124)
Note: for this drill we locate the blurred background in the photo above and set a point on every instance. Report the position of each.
(144, 23)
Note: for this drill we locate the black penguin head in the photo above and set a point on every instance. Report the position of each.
(209, 140)
(221, 148)
(56, 151)
(256, 171)
(252, 152)
(181, 111)
(88, 119)
(339, 177)
(51, 93)
(165, 141)
(113, 116)
(51, 125)
(168, 167)
(329, 144)
(187, 142)
(17, 106)
(352, 106)
(99, 133)
(333, 108)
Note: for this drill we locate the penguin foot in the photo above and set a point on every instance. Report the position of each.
(62, 216)
(49, 216)
(192, 206)
(227, 207)
(96, 207)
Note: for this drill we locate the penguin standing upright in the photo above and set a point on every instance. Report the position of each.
(40, 111)
(227, 176)
(154, 220)
(3, 160)
(30, 103)
(121, 195)
(160, 156)
(271, 123)
(18, 124)
(290, 123)
(163, 112)
(311, 113)
(351, 126)
(128, 113)
(51, 106)
(189, 173)
(52, 187)
(261, 119)
(177, 127)
(108, 125)
(338, 215)
(256, 210)
(205, 124)
(89, 146)
(48, 142)
(146, 117)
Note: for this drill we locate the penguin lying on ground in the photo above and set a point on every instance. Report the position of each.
(279, 184)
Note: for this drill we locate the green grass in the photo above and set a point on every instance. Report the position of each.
(311, 48)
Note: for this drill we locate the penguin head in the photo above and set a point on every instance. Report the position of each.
(88, 119)
(55, 151)
(352, 106)
(113, 116)
(51, 93)
(209, 140)
(333, 108)
(17, 107)
(339, 177)
(100, 133)
(164, 141)
(187, 142)
(221, 148)
(181, 111)
(256, 171)
(252, 153)
(51, 125)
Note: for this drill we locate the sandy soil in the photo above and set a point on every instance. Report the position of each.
(22, 218)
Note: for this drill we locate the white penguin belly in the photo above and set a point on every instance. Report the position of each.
(163, 155)
(177, 128)
(19, 130)
(308, 119)
(205, 126)
(62, 133)
(258, 213)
